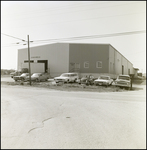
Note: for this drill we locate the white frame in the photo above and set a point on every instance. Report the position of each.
(86, 63)
(77, 65)
(98, 63)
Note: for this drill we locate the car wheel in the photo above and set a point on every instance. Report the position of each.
(75, 80)
(37, 80)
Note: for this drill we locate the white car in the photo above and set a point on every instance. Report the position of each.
(67, 77)
(38, 77)
(103, 80)
(123, 81)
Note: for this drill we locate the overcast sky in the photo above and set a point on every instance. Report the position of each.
(63, 20)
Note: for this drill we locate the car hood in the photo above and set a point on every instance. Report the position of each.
(12, 73)
(17, 76)
(121, 80)
(61, 78)
(31, 77)
(102, 80)
(83, 78)
(34, 77)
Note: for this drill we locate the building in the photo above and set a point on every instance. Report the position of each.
(84, 58)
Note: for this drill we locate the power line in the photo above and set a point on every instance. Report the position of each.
(13, 37)
(79, 37)
(80, 10)
(46, 24)
(96, 36)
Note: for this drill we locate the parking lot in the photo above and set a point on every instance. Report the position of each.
(72, 86)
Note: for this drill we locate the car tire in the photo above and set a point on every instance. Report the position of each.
(75, 80)
(37, 80)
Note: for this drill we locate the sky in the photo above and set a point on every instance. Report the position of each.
(119, 23)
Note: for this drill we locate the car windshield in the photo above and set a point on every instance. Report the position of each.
(102, 77)
(24, 74)
(64, 75)
(36, 74)
(124, 77)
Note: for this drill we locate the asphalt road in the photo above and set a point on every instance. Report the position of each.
(40, 118)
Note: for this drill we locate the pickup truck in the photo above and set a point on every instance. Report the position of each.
(123, 81)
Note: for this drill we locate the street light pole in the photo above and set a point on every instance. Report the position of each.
(29, 60)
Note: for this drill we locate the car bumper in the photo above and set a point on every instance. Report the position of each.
(123, 85)
(59, 80)
(101, 83)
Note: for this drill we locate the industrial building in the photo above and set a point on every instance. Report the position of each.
(58, 58)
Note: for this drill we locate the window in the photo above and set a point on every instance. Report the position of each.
(128, 71)
(77, 65)
(98, 64)
(86, 64)
(122, 69)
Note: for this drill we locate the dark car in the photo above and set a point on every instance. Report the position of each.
(16, 73)
(21, 77)
(88, 80)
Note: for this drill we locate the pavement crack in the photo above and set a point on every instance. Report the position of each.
(46, 119)
(40, 126)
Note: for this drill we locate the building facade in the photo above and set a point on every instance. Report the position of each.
(84, 58)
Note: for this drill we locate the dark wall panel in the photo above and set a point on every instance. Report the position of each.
(79, 53)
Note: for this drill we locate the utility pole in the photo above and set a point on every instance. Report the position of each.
(29, 60)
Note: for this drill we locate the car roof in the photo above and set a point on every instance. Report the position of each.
(104, 76)
(124, 75)
(70, 73)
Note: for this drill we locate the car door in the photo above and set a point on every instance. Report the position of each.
(41, 77)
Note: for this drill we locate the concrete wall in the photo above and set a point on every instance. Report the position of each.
(56, 54)
(80, 53)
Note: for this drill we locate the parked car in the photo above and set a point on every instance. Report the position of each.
(88, 80)
(38, 77)
(16, 73)
(67, 77)
(21, 77)
(123, 81)
(103, 80)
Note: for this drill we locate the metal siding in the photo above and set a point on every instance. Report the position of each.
(119, 61)
(79, 53)
(56, 54)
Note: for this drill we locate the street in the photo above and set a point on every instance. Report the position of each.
(41, 118)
